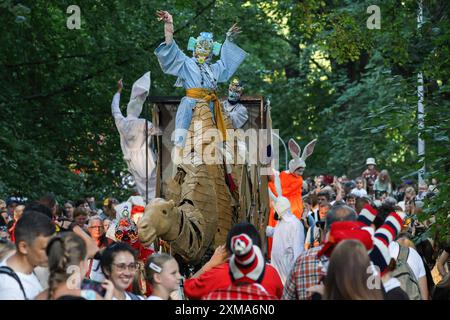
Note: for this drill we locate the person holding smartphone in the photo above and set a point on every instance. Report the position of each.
(67, 263)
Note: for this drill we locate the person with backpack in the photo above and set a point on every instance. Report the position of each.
(386, 229)
(119, 265)
(17, 279)
(405, 275)
(410, 271)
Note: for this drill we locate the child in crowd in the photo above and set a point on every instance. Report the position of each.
(359, 191)
(164, 274)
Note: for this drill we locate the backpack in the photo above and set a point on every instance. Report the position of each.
(405, 275)
(10, 272)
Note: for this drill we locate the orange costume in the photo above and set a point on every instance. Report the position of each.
(291, 183)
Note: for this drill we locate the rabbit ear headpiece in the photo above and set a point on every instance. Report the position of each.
(297, 160)
(281, 204)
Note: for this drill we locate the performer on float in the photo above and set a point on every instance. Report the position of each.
(132, 135)
(292, 182)
(233, 107)
(236, 115)
(198, 74)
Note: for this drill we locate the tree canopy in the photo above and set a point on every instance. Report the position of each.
(327, 75)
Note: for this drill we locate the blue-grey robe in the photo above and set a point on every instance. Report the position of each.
(237, 112)
(174, 62)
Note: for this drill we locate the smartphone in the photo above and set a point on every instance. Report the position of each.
(88, 284)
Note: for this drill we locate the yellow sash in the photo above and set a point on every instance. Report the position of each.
(208, 96)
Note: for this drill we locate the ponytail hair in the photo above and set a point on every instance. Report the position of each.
(155, 265)
(63, 251)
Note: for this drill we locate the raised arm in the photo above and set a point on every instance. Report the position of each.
(168, 25)
(115, 108)
(231, 56)
(171, 59)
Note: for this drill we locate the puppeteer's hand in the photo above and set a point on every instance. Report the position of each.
(233, 32)
(164, 16)
(119, 86)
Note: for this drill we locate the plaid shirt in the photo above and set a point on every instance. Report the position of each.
(241, 292)
(306, 273)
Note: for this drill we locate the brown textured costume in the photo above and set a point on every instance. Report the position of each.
(199, 209)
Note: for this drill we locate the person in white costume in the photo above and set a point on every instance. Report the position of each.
(132, 135)
(288, 235)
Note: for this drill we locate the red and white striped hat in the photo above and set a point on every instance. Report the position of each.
(247, 262)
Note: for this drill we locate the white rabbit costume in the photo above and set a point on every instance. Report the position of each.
(288, 235)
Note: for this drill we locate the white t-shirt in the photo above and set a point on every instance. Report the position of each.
(42, 274)
(10, 288)
(152, 297)
(392, 283)
(414, 261)
(127, 297)
(401, 204)
(359, 192)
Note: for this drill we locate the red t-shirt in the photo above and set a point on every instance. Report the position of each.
(240, 292)
(219, 278)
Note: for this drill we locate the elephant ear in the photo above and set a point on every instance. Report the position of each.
(294, 148)
(309, 149)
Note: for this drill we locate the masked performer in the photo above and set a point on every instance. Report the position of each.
(198, 75)
(132, 135)
(236, 111)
